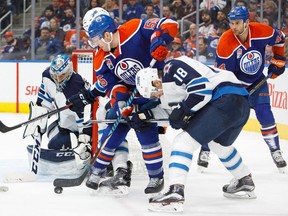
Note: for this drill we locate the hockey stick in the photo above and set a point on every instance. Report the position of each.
(107, 121)
(60, 182)
(5, 129)
(260, 84)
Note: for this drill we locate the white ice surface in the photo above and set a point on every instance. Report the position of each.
(203, 193)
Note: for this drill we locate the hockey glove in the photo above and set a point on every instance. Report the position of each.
(277, 66)
(158, 47)
(180, 116)
(79, 100)
(138, 120)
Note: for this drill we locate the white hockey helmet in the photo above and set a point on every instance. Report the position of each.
(144, 79)
(90, 16)
(61, 70)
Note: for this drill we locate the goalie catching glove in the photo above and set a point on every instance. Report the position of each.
(79, 100)
(138, 120)
(180, 116)
(277, 66)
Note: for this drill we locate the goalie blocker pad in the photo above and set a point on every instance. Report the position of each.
(57, 162)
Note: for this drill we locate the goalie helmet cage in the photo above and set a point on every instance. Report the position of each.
(82, 61)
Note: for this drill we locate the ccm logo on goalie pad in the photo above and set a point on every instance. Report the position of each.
(35, 157)
(82, 97)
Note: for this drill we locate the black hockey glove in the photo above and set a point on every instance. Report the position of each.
(138, 120)
(180, 116)
(277, 66)
(79, 100)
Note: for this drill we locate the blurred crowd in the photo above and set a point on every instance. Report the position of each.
(55, 31)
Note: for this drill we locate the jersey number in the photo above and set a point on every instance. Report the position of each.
(180, 74)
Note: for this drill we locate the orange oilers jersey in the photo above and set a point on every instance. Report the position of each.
(246, 60)
(133, 52)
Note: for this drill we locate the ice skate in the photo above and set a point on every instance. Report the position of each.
(118, 184)
(155, 185)
(172, 201)
(279, 161)
(93, 181)
(202, 162)
(240, 188)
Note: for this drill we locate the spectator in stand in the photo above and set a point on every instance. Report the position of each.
(149, 9)
(270, 10)
(45, 19)
(112, 8)
(206, 54)
(221, 18)
(222, 28)
(46, 46)
(188, 9)
(268, 22)
(57, 8)
(177, 9)
(254, 9)
(133, 10)
(208, 28)
(68, 21)
(72, 4)
(92, 4)
(247, 5)
(70, 41)
(190, 43)
(56, 31)
(3, 10)
(12, 45)
(213, 6)
(156, 6)
(167, 12)
(36, 28)
(175, 49)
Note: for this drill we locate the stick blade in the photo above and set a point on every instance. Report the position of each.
(61, 182)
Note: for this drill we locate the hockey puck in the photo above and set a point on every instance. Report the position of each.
(58, 190)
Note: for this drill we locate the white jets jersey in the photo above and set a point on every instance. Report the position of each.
(188, 80)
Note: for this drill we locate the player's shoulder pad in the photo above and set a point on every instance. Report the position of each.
(99, 59)
(129, 28)
(227, 44)
(259, 30)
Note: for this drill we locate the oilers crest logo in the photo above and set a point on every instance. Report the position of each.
(126, 70)
(250, 62)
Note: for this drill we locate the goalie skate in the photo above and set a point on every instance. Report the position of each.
(172, 201)
(240, 188)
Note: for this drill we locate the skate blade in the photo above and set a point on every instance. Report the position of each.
(201, 169)
(119, 191)
(166, 207)
(241, 195)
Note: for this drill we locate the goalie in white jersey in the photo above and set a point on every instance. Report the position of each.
(210, 106)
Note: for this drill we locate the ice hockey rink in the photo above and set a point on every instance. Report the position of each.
(203, 192)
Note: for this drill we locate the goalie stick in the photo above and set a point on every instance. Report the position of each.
(107, 121)
(60, 182)
(5, 129)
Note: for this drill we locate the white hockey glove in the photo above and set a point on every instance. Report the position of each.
(82, 150)
(36, 111)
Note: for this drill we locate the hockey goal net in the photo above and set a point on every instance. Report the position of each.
(82, 61)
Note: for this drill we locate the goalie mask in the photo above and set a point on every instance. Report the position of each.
(144, 79)
(61, 71)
